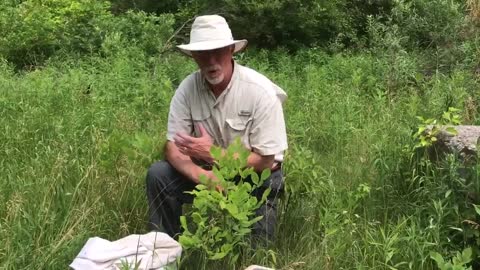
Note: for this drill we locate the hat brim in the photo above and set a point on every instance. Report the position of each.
(211, 45)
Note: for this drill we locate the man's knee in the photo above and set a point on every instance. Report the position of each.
(159, 171)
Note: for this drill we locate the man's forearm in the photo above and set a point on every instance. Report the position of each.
(183, 163)
(259, 162)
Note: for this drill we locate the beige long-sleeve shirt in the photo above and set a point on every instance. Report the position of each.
(250, 107)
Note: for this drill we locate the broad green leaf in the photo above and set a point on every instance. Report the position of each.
(186, 241)
(451, 130)
(458, 267)
(218, 174)
(437, 257)
(265, 174)
(247, 187)
(255, 179)
(453, 109)
(218, 256)
(226, 248)
(183, 222)
(216, 152)
(222, 205)
(265, 194)
(244, 231)
(421, 130)
(467, 255)
(214, 230)
(477, 209)
(457, 259)
(232, 209)
(254, 220)
(243, 174)
(252, 201)
(200, 187)
(241, 216)
(244, 156)
(197, 218)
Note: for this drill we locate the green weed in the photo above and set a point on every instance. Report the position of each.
(222, 219)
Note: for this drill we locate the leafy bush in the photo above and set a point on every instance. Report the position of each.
(33, 30)
(429, 129)
(36, 30)
(287, 23)
(438, 30)
(428, 23)
(458, 262)
(145, 32)
(149, 6)
(223, 218)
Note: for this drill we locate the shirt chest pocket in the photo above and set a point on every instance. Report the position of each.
(201, 117)
(237, 127)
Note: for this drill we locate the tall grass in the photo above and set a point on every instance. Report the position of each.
(77, 136)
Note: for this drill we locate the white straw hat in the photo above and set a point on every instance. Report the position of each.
(210, 32)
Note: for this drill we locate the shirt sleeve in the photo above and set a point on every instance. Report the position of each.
(179, 116)
(268, 135)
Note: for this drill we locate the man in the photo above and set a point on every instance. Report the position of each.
(213, 106)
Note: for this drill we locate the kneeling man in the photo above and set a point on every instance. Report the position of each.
(213, 106)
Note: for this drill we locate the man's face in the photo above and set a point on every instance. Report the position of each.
(214, 64)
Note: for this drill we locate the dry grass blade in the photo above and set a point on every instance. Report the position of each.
(473, 7)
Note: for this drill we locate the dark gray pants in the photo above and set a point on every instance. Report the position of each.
(166, 193)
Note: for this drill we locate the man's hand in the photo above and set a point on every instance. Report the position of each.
(198, 148)
(214, 181)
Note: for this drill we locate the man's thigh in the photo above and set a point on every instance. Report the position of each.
(170, 182)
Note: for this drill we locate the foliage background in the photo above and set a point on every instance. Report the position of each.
(84, 93)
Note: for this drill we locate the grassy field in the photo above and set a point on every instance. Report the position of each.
(77, 135)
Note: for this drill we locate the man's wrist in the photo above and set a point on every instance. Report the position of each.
(197, 173)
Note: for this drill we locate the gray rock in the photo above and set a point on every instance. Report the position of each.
(465, 143)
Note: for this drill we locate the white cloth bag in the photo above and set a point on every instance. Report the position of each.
(154, 250)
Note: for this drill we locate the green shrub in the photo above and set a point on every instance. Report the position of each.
(149, 6)
(145, 32)
(36, 30)
(287, 23)
(222, 219)
(429, 23)
(33, 30)
(459, 262)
